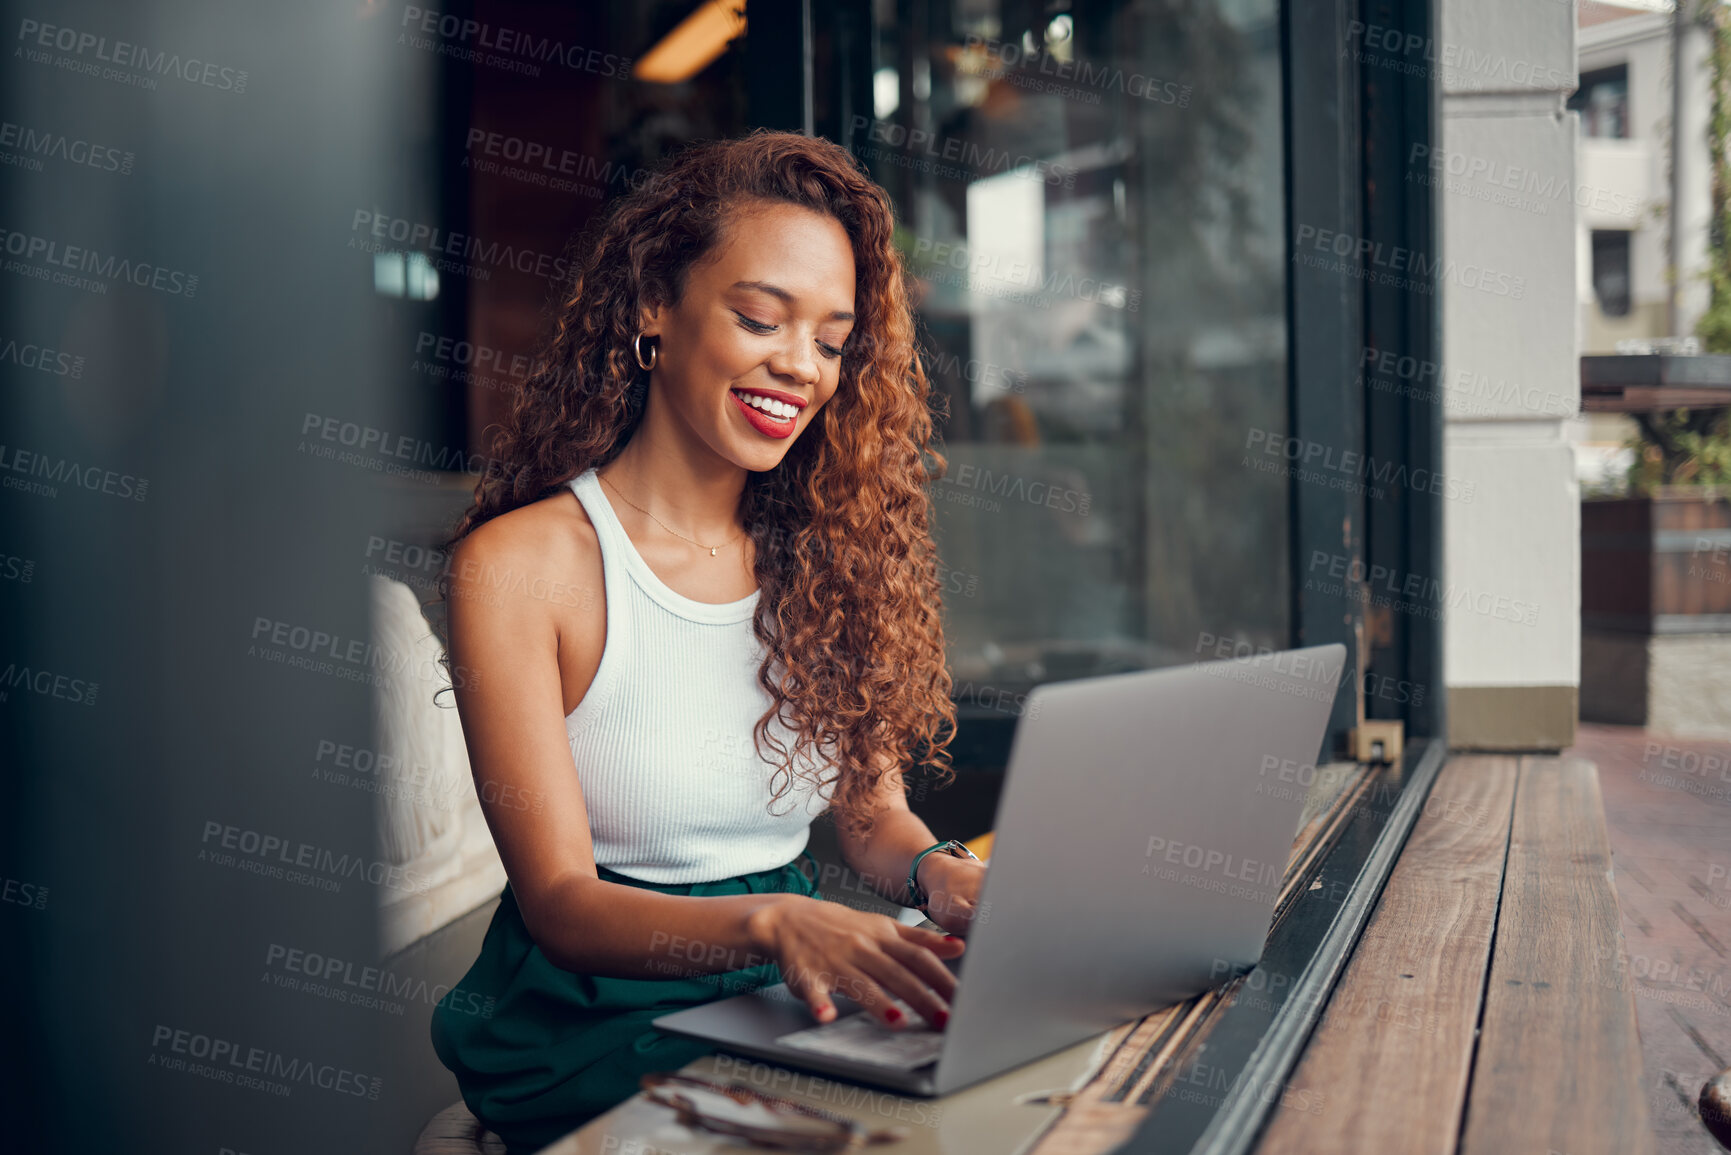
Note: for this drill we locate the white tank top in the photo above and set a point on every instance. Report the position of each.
(662, 740)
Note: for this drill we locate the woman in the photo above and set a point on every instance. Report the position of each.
(697, 605)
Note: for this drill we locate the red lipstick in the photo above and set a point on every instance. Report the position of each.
(763, 422)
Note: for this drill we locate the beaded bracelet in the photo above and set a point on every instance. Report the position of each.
(918, 897)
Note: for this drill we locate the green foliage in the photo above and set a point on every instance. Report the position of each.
(1714, 327)
(1682, 447)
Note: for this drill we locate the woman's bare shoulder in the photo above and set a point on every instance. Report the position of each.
(550, 541)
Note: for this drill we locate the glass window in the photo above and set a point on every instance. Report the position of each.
(1092, 204)
(1611, 271)
(1603, 102)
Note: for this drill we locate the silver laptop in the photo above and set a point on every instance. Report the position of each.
(1141, 841)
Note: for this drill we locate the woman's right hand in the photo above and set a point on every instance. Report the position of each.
(871, 958)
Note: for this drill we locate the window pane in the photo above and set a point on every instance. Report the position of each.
(1092, 203)
(1611, 271)
(1603, 102)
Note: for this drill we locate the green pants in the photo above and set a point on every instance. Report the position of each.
(539, 1051)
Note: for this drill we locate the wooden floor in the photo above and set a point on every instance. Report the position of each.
(1668, 814)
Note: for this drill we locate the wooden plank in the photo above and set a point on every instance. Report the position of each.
(1335, 795)
(1095, 1117)
(1559, 1062)
(1104, 1113)
(1322, 803)
(1387, 1068)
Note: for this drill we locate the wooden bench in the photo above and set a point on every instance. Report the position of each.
(1501, 912)
(1486, 1007)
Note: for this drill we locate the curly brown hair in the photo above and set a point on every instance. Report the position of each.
(849, 613)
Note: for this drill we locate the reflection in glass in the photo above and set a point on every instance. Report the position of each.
(1091, 202)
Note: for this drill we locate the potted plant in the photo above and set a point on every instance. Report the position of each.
(1656, 582)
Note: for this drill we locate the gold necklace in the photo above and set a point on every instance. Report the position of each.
(663, 524)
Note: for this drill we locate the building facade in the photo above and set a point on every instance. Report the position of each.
(1642, 189)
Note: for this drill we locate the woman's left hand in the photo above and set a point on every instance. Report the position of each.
(953, 887)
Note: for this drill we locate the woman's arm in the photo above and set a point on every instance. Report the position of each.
(505, 648)
(882, 859)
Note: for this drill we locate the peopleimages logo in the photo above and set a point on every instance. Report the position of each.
(1411, 593)
(64, 471)
(1399, 267)
(47, 684)
(26, 894)
(39, 36)
(482, 43)
(979, 270)
(42, 359)
(369, 439)
(1013, 59)
(1014, 487)
(229, 1062)
(356, 659)
(368, 987)
(1457, 65)
(975, 160)
(1465, 391)
(52, 254)
(545, 164)
(268, 854)
(35, 144)
(373, 227)
(1543, 185)
(481, 358)
(1346, 466)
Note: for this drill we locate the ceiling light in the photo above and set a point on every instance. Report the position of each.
(693, 44)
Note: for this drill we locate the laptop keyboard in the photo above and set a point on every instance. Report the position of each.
(862, 1039)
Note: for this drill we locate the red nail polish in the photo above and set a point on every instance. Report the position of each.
(941, 1019)
(893, 1015)
(951, 938)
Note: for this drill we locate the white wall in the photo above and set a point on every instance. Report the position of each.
(1519, 538)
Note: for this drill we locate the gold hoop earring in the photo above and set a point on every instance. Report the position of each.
(637, 349)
